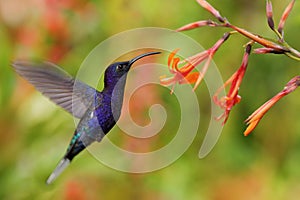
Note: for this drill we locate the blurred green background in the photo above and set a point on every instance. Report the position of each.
(34, 132)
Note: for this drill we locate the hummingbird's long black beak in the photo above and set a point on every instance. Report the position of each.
(142, 56)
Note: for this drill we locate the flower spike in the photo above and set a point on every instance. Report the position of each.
(185, 74)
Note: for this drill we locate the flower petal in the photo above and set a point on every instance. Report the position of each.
(171, 56)
(190, 78)
(167, 81)
(251, 127)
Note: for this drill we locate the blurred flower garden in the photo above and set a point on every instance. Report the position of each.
(35, 132)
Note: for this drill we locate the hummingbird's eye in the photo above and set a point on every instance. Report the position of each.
(120, 67)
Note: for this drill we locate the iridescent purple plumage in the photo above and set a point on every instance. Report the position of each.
(98, 111)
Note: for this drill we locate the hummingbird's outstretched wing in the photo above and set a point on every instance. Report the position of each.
(74, 96)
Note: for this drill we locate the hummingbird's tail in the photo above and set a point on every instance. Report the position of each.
(62, 165)
(74, 149)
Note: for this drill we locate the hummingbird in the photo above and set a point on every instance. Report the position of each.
(98, 111)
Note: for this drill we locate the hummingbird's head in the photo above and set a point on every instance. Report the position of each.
(120, 69)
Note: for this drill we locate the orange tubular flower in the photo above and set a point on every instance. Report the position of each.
(266, 50)
(211, 9)
(284, 16)
(184, 75)
(197, 25)
(232, 98)
(269, 12)
(255, 117)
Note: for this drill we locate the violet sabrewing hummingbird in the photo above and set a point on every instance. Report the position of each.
(98, 111)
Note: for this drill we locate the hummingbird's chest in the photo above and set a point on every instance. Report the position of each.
(101, 116)
(108, 112)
